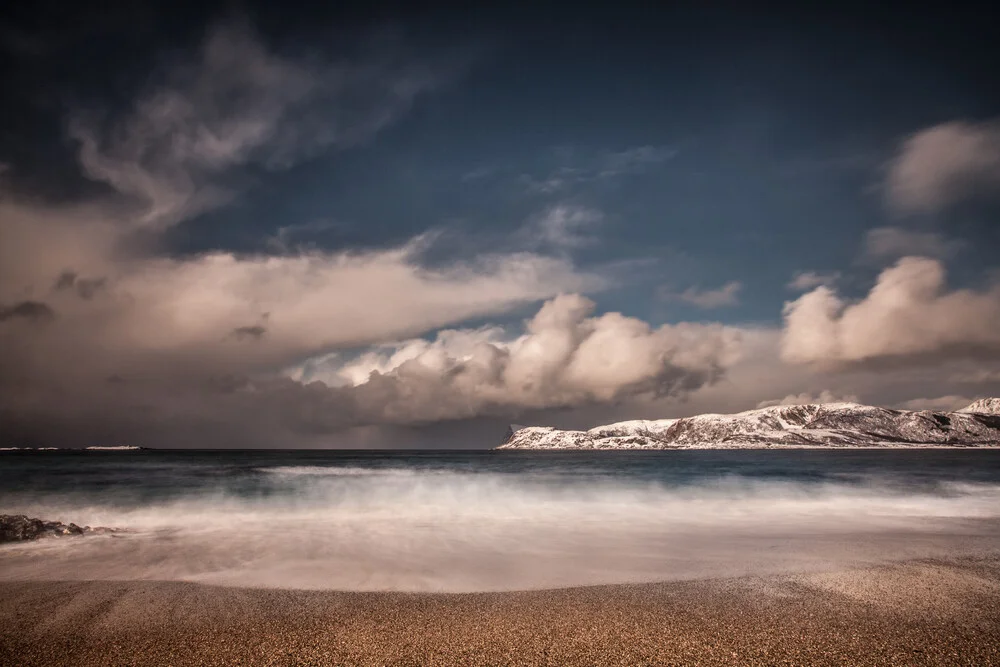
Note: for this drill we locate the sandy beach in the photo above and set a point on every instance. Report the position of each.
(928, 612)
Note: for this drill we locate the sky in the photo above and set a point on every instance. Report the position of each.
(385, 225)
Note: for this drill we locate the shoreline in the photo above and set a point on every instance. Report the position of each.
(504, 448)
(933, 612)
(688, 448)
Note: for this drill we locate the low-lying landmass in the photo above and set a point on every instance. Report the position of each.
(95, 448)
(782, 426)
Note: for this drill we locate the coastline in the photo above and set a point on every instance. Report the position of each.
(783, 426)
(504, 448)
(755, 448)
(925, 612)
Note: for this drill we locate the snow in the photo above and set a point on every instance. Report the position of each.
(808, 425)
(984, 406)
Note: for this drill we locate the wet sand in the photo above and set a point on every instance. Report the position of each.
(928, 612)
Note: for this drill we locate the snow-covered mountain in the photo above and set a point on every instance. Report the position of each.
(986, 406)
(810, 425)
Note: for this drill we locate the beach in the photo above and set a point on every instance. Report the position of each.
(926, 612)
(503, 558)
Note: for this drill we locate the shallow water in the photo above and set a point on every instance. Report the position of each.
(465, 521)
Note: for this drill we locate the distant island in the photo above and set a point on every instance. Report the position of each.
(95, 448)
(113, 448)
(825, 425)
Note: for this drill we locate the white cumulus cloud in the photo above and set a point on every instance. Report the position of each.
(566, 356)
(908, 314)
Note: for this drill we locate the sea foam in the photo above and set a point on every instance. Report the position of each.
(369, 528)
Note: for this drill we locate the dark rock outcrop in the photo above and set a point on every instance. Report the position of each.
(18, 528)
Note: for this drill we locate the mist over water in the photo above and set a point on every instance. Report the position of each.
(493, 520)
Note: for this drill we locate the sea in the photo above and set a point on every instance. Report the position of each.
(463, 521)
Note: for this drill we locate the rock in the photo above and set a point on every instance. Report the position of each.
(18, 528)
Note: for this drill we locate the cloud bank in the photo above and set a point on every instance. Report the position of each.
(566, 357)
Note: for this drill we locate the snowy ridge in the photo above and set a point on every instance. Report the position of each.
(809, 425)
(985, 406)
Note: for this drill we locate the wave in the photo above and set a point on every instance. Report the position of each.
(29, 449)
(370, 528)
(347, 471)
(96, 448)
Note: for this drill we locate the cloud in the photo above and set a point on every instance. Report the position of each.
(255, 332)
(977, 376)
(591, 169)
(943, 164)
(807, 280)
(761, 375)
(291, 237)
(566, 357)
(939, 404)
(908, 315)
(824, 396)
(312, 299)
(726, 295)
(563, 227)
(170, 329)
(151, 309)
(892, 243)
(28, 310)
(84, 288)
(196, 344)
(633, 160)
(233, 106)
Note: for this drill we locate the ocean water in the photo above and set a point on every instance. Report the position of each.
(493, 520)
